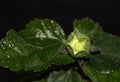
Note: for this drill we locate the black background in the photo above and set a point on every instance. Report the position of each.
(16, 13)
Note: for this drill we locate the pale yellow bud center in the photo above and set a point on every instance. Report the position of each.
(77, 44)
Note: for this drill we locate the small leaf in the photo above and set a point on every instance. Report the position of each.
(33, 48)
(86, 26)
(64, 76)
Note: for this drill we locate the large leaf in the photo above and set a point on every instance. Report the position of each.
(103, 66)
(108, 57)
(64, 76)
(43, 29)
(33, 48)
(100, 77)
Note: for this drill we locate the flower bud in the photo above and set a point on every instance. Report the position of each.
(78, 45)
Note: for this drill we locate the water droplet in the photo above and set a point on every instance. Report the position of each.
(52, 21)
(8, 56)
(106, 71)
(42, 24)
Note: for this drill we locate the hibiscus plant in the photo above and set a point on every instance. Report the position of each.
(88, 54)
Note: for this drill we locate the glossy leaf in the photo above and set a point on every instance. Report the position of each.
(104, 62)
(32, 48)
(100, 77)
(64, 76)
(43, 29)
(108, 57)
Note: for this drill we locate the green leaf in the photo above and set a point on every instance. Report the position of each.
(86, 26)
(63, 59)
(64, 76)
(33, 48)
(43, 29)
(102, 66)
(108, 57)
(100, 77)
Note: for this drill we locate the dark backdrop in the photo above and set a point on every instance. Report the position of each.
(16, 13)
